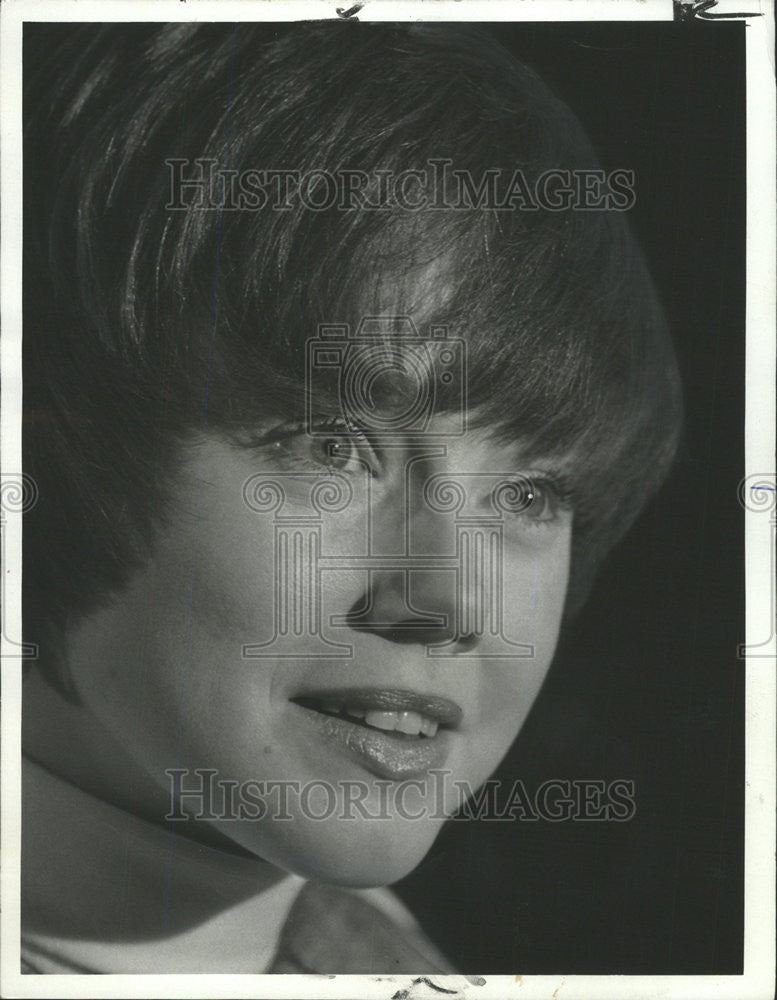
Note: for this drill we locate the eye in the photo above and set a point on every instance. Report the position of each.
(330, 444)
(535, 498)
(342, 449)
(539, 502)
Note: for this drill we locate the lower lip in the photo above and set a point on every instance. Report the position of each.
(385, 754)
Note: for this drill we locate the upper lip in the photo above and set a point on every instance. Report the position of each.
(442, 710)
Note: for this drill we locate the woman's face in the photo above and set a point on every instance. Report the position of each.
(347, 632)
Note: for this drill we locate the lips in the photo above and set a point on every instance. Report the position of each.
(396, 734)
(386, 709)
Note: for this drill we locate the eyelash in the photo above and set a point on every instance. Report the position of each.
(558, 494)
(335, 426)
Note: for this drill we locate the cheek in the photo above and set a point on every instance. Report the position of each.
(534, 594)
(231, 580)
(128, 671)
(535, 585)
(166, 656)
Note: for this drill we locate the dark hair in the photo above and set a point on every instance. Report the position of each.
(142, 323)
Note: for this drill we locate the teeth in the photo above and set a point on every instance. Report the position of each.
(333, 708)
(409, 723)
(382, 720)
(429, 727)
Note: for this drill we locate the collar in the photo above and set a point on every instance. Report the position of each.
(106, 891)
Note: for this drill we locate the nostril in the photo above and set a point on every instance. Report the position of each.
(422, 632)
(420, 636)
(417, 630)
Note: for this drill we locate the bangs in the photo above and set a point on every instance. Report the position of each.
(560, 344)
(203, 314)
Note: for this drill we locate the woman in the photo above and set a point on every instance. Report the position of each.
(341, 376)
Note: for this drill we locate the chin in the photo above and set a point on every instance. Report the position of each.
(358, 854)
(368, 872)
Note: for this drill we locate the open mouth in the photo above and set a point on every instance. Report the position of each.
(393, 733)
(401, 713)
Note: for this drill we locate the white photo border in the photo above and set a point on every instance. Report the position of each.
(758, 654)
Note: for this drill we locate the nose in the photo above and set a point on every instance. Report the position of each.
(410, 607)
(416, 597)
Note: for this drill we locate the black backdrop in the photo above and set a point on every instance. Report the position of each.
(646, 685)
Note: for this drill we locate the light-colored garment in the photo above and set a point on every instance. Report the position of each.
(121, 884)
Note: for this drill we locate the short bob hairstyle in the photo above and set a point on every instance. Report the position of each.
(144, 323)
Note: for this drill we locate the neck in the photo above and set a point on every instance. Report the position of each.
(109, 891)
(110, 883)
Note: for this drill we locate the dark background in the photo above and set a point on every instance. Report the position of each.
(646, 685)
